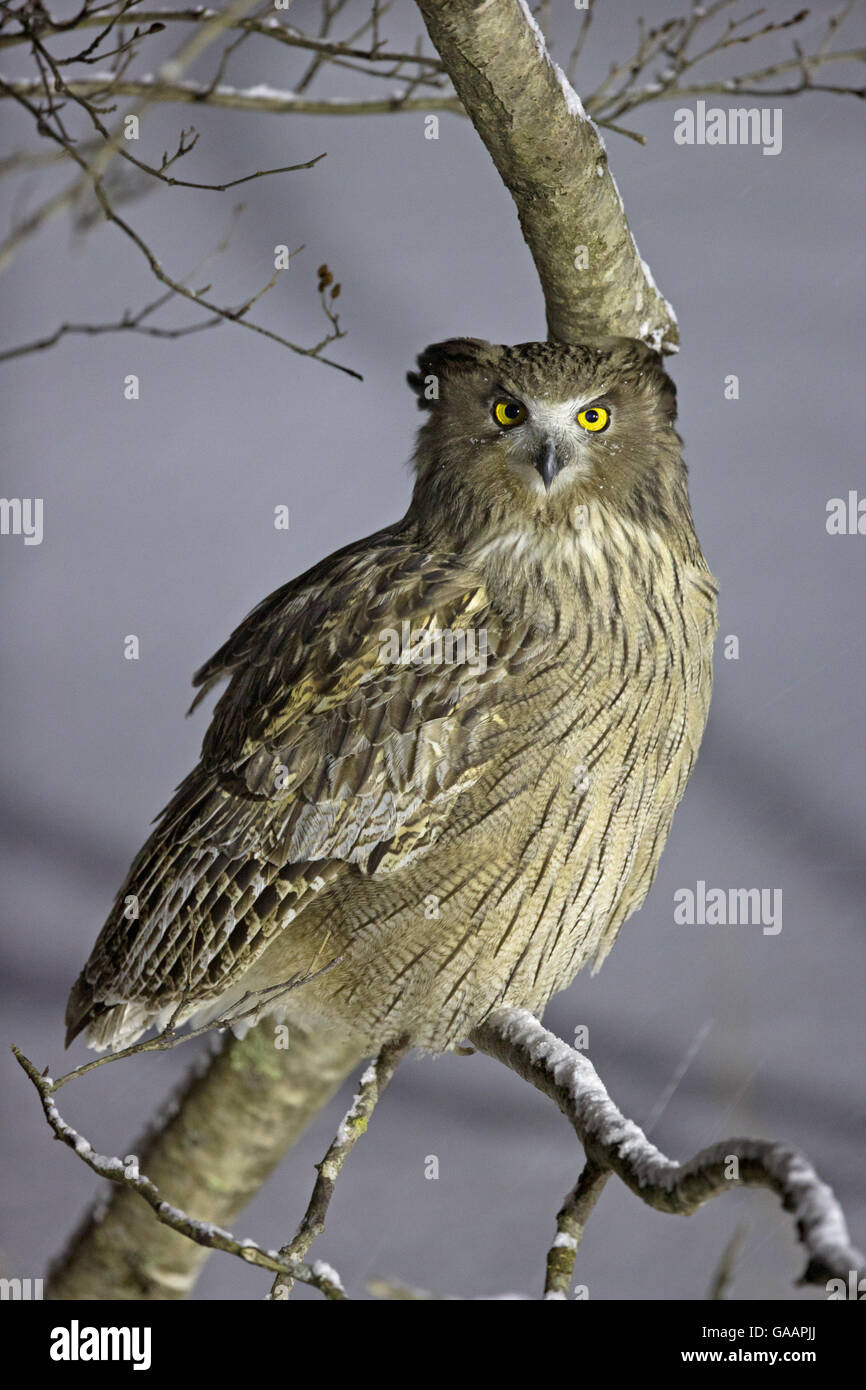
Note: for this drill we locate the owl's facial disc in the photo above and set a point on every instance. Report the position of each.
(544, 439)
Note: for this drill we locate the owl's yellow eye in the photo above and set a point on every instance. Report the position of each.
(509, 413)
(595, 418)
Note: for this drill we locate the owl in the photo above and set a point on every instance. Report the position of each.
(447, 757)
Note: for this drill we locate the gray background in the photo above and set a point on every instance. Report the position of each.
(158, 521)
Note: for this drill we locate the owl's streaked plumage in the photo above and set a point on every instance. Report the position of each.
(463, 833)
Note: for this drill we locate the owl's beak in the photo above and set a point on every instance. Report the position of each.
(549, 463)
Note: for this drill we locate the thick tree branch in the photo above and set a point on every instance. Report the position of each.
(552, 160)
(612, 1142)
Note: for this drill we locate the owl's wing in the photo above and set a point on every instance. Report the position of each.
(327, 755)
(330, 741)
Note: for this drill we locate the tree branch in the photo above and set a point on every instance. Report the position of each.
(271, 27)
(223, 1135)
(127, 1174)
(571, 1222)
(354, 1124)
(613, 1143)
(235, 315)
(259, 98)
(552, 159)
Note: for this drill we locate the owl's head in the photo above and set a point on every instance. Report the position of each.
(523, 435)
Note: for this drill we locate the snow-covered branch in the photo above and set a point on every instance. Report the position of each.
(126, 1173)
(612, 1142)
(208, 1151)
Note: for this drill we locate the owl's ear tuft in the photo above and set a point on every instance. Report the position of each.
(438, 361)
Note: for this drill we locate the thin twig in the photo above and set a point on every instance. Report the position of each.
(233, 315)
(125, 1173)
(724, 1271)
(354, 1124)
(571, 1222)
(270, 28)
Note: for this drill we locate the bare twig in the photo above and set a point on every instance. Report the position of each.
(128, 323)
(330, 10)
(245, 178)
(209, 1151)
(62, 88)
(354, 1124)
(232, 315)
(571, 1222)
(271, 27)
(670, 44)
(259, 98)
(125, 1173)
(209, 28)
(724, 1271)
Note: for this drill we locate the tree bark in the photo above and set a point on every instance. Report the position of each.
(552, 159)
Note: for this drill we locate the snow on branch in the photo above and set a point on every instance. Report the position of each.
(612, 1143)
(289, 1263)
(618, 1145)
(126, 1173)
(261, 97)
(209, 1150)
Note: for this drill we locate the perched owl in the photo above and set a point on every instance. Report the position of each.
(449, 754)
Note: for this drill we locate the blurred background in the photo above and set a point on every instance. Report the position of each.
(158, 522)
